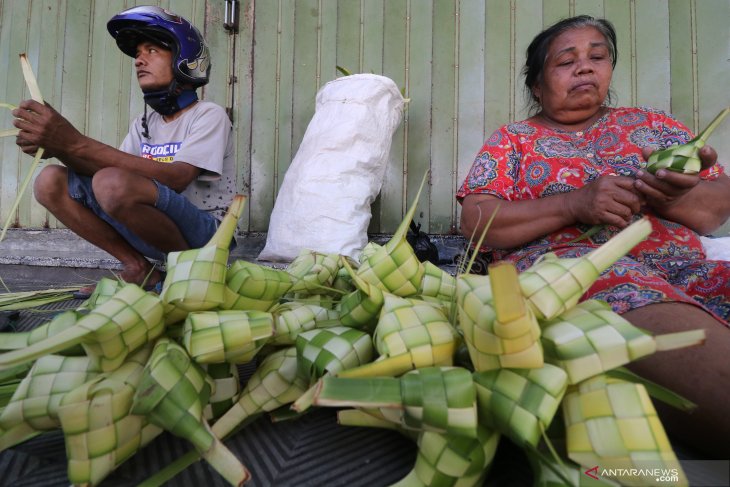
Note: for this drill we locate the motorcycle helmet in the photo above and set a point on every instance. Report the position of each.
(190, 55)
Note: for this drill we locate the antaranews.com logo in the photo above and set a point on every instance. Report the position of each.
(669, 475)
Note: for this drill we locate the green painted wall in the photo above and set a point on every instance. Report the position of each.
(458, 61)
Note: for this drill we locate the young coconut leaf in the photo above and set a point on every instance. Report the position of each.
(437, 283)
(612, 423)
(591, 338)
(108, 333)
(293, 317)
(500, 329)
(360, 308)
(328, 351)
(554, 285)
(440, 399)
(23, 339)
(520, 403)
(452, 460)
(274, 384)
(394, 267)
(226, 389)
(172, 393)
(684, 158)
(99, 430)
(196, 278)
(212, 337)
(35, 94)
(410, 334)
(252, 286)
(33, 407)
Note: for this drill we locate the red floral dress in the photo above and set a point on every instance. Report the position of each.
(525, 160)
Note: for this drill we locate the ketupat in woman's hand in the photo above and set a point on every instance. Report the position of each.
(611, 200)
(666, 188)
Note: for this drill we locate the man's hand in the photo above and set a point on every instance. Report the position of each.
(42, 126)
(666, 188)
(610, 200)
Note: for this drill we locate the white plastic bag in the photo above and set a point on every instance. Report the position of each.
(324, 200)
(717, 248)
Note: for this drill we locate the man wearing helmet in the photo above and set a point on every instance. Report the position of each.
(167, 186)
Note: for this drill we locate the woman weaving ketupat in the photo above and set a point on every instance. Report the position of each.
(578, 163)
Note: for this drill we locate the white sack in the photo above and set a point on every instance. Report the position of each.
(717, 248)
(324, 200)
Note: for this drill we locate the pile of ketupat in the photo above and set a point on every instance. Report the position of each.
(453, 362)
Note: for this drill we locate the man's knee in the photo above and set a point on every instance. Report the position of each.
(117, 190)
(51, 185)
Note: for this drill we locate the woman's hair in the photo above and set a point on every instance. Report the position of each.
(537, 51)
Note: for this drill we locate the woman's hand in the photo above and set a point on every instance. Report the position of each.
(666, 188)
(611, 200)
(42, 126)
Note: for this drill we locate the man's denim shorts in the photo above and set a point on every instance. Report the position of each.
(196, 225)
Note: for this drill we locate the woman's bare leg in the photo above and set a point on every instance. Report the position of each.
(700, 374)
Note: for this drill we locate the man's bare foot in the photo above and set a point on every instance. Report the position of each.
(144, 275)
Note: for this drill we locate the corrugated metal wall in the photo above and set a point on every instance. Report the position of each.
(459, 63)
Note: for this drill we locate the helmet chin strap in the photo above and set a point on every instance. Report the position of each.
(168, 101)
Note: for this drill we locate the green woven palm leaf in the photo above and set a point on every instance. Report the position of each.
(104, 289)
(196, 278)
(360, 308)
(109, 333)
(331, 350)
(410, 334)
(226, 389)
(23, 339)
(520, 403)
(554, 285)
(33, 408)
(252, 286)
(226, 336)
(292, 318)
(311, 271)
(437, 283)
(394, 267)
(274, 384)
(452, 460)
(99, 429)
(613, 424)
(499, 327)
(172, 394)
(440, 399)
(684, 158)
(590, 339)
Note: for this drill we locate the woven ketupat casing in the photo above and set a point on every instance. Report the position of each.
(196, 278)
(415, 327)
(226, 336)
(394, 269)
(612, 423)
(99, 428)
(329, 350)
(124, 323)
(274, 384)
(591, 338)
(441, 399)
(34, 404)
(452, 460)
(520, 403)
(254, 287)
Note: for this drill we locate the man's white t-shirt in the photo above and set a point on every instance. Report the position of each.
(202, 137)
